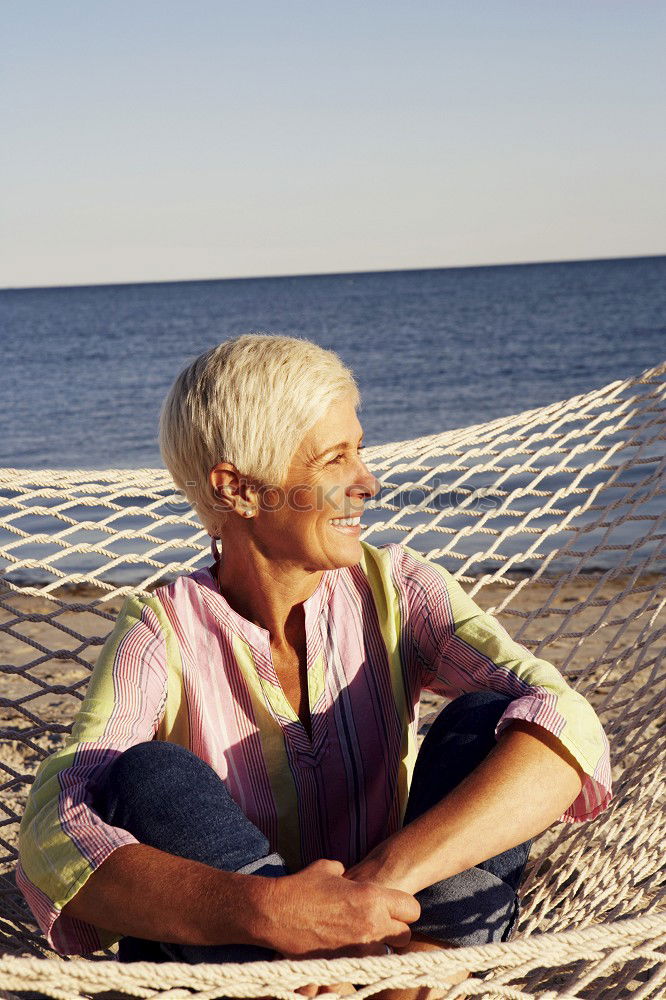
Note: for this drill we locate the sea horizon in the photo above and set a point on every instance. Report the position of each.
(329, 274)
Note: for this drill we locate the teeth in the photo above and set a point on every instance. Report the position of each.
(349, 521)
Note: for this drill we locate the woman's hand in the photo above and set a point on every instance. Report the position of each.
(339, 920)
(320, 913)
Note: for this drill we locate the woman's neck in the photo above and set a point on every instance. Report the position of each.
(266, 593)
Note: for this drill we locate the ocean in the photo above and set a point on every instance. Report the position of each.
(86, 368)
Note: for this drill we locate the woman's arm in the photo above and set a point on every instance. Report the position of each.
(150, 894)
(457, 647)
(551, 760)
(147, 893)
(62, 839)
(524, 785)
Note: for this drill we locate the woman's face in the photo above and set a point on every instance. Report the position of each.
(327, 481)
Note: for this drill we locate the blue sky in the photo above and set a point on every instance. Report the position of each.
(153, 141)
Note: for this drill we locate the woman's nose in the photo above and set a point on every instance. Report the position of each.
(366, 485)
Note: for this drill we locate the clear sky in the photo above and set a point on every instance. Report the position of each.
(152, 140)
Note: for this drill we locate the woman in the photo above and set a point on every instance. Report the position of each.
(242, 779)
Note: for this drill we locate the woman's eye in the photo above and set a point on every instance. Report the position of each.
(339, 458)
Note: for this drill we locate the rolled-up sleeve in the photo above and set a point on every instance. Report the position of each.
(62, 839)
(460, 648)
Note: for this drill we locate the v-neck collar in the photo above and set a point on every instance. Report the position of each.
(308, 749)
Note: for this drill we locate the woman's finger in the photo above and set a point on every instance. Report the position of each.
(399, 935)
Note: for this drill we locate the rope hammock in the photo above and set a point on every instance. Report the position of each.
(553, 519)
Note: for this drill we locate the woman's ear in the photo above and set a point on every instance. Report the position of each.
(225, 483)
(232, 491)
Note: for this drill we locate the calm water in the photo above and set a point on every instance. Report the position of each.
(85, 369)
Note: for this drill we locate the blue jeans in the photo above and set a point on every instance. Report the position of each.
(170, 799)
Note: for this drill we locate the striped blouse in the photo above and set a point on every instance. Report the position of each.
(182, 665)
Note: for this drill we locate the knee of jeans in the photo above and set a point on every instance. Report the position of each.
(156, 756)
(472, 908)
(474, 709)
(156, 762)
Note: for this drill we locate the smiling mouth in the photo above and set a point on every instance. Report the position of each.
(346, 525)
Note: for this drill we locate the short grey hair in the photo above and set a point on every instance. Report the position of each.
(249, 401)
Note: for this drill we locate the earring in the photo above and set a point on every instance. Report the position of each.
(247, 513)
